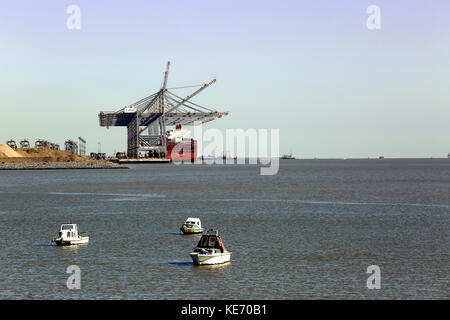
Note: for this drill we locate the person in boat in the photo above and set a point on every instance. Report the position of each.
(219, 245)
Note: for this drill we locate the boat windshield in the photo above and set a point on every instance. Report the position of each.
(209, 242)
(67, 227)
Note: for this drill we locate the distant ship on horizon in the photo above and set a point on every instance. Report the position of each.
(287, 156)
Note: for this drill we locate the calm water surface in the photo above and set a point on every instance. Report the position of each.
(308, 232)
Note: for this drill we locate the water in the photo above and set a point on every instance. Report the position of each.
(309, 232)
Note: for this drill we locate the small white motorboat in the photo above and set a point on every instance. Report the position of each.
(191, 226)
(69, 235)
(210, 250)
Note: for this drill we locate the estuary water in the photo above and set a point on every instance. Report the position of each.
(309, 232)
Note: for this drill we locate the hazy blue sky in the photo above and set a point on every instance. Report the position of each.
(313, 69)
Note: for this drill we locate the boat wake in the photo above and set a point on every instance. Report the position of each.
(119, 196)
(181, 264)
(336, 202)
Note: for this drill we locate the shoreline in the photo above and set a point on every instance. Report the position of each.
(59, 165)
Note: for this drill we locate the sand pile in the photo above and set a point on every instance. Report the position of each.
(8, 152)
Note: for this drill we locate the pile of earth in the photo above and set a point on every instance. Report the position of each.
(41, 154)
(8, 152)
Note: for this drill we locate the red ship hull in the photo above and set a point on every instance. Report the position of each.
(183, 150)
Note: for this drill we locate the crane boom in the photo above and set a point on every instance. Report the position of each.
(204, 86)
(166, 74)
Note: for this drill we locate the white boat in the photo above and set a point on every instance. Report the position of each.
(69, 235)
(210, 250)
(287, 157)
(191, 226)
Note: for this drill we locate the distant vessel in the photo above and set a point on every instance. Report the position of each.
(210, 250)
(213, 156)
(68, 235)
(209, 158)
(192, 225)
(287, 156)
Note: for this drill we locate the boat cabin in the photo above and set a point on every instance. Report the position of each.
(194, 222)
(211, 240)
(68, 231)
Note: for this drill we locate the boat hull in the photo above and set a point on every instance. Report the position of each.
(183, 150)
(61, 242)
(187, 230)
(209, 259)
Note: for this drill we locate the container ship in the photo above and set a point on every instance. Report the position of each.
(180, 148)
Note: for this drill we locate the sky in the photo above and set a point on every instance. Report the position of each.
(312, 69)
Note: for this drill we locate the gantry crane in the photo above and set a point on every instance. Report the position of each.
(146, 120)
